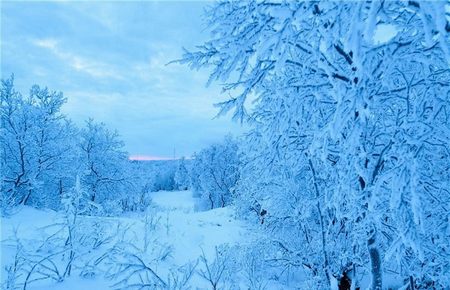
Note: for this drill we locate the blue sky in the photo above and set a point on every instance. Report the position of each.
(109, 59)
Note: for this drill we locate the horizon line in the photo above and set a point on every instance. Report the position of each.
(143, 157)
(139, 157)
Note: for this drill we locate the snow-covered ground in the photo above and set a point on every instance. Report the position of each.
(190, 231)
(181, 233)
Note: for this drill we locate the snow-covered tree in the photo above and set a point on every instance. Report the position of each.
(42, 152)
(55, 158)
(350, 126)
(161, 174)
(215, 172)
(15, 142)
(103, 163)
(182, 175)
(36, 142)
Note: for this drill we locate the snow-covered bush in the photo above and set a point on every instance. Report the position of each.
(132, 267)
(14, 270)
(214, 271)
(75, 244)
(132, 270)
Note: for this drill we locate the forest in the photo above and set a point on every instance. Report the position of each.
(341, 179)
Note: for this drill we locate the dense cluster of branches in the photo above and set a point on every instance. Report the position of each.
(349, 150)
(42, 152)
(214, 173)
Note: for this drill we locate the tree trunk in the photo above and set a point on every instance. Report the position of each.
(375, 263)
(211, 200)
(345, 282)
(26, 198)
(61, 191)
(321, 221)
(411, 285)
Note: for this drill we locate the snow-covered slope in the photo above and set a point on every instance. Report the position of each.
(190, 231)
(171, 223)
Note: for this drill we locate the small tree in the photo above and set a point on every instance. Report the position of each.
(215, 173)
(103, 162)
(182, 175)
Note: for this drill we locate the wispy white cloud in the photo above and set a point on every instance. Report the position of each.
(48, 43)
(110, 60)
(91, 67)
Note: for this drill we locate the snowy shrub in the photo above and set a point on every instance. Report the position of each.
(179, 278)
(65, 248)
(151, 222)
(135, 202)
(14, 271)
(132, 268)
(214, 271)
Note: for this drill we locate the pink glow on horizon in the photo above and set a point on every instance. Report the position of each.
(148, 157)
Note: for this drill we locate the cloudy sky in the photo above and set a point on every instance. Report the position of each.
(109, 59)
